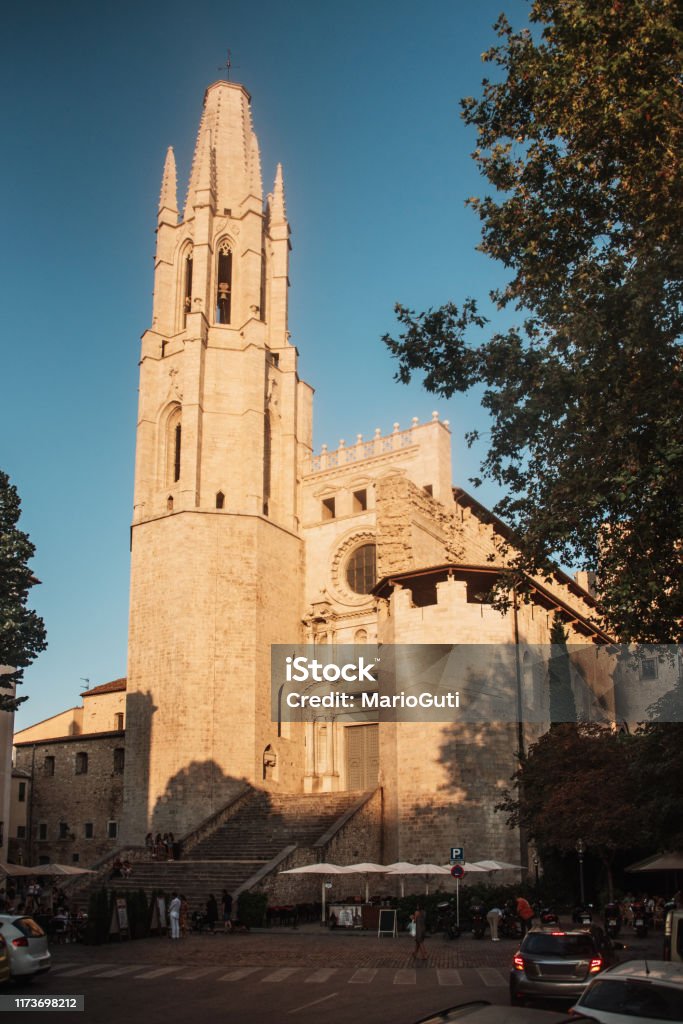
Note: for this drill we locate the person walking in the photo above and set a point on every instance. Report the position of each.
(493, 917)
(420, 953)
(524, 913)
(174, 916)
(184, 916)
(226, 902)
(211, 913)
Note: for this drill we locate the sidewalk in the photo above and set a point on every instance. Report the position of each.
(312, 946)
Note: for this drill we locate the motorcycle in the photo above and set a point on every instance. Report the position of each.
(478, 915)
(509, 926)
(640, 921)
(447, 920)
(547, 916)
(583, 914)
(612, 920)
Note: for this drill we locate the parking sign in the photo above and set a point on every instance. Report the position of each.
(457, 854)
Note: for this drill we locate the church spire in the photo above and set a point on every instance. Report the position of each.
(236, 164)
(168, 200)
(205, 189)
(278, 209)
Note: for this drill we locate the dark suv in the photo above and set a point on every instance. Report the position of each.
(558, 964)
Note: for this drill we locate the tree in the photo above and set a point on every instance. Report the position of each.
(22, 633)
(575, 783)
(562, 703)
(580, 135)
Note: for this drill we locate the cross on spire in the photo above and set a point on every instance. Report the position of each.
(228, 65)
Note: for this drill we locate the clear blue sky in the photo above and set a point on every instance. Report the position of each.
(359, 101)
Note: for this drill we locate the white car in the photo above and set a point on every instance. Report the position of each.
(635, 992)
(26, 944)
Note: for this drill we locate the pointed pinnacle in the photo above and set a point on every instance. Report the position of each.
(278, 209)
(168, 200)
(206, 176)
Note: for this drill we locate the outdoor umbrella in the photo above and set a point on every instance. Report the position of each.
(660, 862)
(406, 868)
(496, 865)
(367, 868)
(60, 869)
(319, 869)
(14, 870)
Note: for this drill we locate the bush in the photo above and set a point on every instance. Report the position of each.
(251, 909)
(99, 917)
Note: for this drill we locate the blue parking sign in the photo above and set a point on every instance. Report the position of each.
(457, 854)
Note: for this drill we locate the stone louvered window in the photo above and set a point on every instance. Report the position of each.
(224, 284)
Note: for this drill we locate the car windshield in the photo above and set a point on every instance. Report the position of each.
(28, 927)
(566, 946)
(635, 998)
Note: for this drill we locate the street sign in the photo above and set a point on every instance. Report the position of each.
(458, 871)
(457, 854)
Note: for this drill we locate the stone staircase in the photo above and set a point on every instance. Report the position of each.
(236, 853)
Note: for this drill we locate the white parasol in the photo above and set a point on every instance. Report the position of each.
(322, 868)
(367, 868)
(406, 868)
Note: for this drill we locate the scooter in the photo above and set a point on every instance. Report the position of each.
(478, 914)
(447, 920)
(639, 919)
(583, 914)
(509, 926)
(547, 916)
(612, 920)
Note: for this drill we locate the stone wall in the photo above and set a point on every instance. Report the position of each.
(74, 798)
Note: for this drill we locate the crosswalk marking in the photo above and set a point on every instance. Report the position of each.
(491, 977)
(157, 973)
(280, 975)
(200, 972)
(241, 972)
(82, 970)
(116, 971)
(321, 975)
(58, 968)
(448, 976)
(363, 976)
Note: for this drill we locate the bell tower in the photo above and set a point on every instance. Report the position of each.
(224, 424)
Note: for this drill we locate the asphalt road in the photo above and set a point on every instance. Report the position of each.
(144, 994)
(274, 978)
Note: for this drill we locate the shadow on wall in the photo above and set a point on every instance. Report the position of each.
(194, 793)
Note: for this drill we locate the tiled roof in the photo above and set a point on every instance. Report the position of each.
(112, 687)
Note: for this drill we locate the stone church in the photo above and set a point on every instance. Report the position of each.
(243, 537)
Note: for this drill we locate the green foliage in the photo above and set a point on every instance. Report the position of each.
(138, 914)
(99, 917)
(251, 909)
(615, 792)
(562, 704)
(580, 136)
(22, 633)
(575, 783)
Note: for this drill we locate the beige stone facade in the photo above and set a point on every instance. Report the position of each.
(243, 538)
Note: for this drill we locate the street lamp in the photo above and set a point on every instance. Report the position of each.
(536, 863)
(580, 849)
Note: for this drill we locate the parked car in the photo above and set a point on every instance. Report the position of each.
(673, 936)
(637, 992)
(558, 964)
(481, 1012)
(4, 962)
(26, 944)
